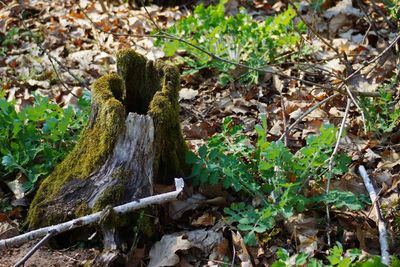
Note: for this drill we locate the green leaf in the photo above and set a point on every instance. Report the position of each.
(203, 151)
(250, 239)
(8, 161)
(282, 254)
(301, 259)
(245, 227)
(191, 157)
(171, 47)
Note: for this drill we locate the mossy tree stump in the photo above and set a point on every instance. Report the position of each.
(133, 140)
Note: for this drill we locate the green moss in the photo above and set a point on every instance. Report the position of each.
(153, 88)
(141, 80)
(94, 146)
(142, 86)
(111, 196)
(82, 210)
(170, 145)
(109, 218)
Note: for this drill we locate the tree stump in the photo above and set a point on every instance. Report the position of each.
(133, 140)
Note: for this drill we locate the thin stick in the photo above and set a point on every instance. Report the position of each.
(50, 234)
(166, 35)
(382, 15)
(372, 60)
(44, 50)
(330, 167)
(314, 31)
(285, 139)
(358, 107)
(383, 236)
(299, 119)
(92, 218)
(59, 78)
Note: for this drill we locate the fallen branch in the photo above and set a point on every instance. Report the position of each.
(383, 236)
(49, 235)
(92, 218)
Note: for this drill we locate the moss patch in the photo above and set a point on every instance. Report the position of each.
(153, 88)
(94, 146)
(141, 86)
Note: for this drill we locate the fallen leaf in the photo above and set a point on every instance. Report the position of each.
(343, 7)
(204, 220)
(163, 252)
(187, 94)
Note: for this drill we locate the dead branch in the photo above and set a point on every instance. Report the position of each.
(299, 119)
(92, 218)
(43, 50)
(49, 235)
(383, 235)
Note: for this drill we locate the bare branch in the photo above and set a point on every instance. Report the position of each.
(92, 218)
(49, 235)
(383, 235)
(299, 119)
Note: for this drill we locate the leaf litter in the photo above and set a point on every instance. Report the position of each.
(86, 45)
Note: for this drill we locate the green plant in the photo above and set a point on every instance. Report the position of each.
(393, 6)
(381, 113)
(9, 39)
(33, 140)
(14, 35)
(270, 172)
(238, 38)
(336, 257)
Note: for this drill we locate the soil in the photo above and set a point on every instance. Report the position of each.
(69, 257)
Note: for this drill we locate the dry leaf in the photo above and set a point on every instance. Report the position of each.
(163, 252)
(187, 94)
(343, 7)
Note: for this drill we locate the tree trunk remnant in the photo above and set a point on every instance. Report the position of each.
(133, 140)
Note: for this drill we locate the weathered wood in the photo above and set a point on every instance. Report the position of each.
(133, 140)
(95, 217)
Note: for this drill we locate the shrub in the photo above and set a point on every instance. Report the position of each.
(271, 173)
(33, 140)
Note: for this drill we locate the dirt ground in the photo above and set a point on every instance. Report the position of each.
(47, 257)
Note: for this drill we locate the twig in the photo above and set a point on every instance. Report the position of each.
(81, 82)
(371, 61)
(299, 119)
(285, 139)
(50, 234)
(331, 164)
(381, 14)
(383, 236)
(369, 19)
(44, 50)
(358, 107)
(165, 35)
(313, 30)
(59, 78)
(92, 218)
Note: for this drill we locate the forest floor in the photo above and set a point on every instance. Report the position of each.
(82, 38)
